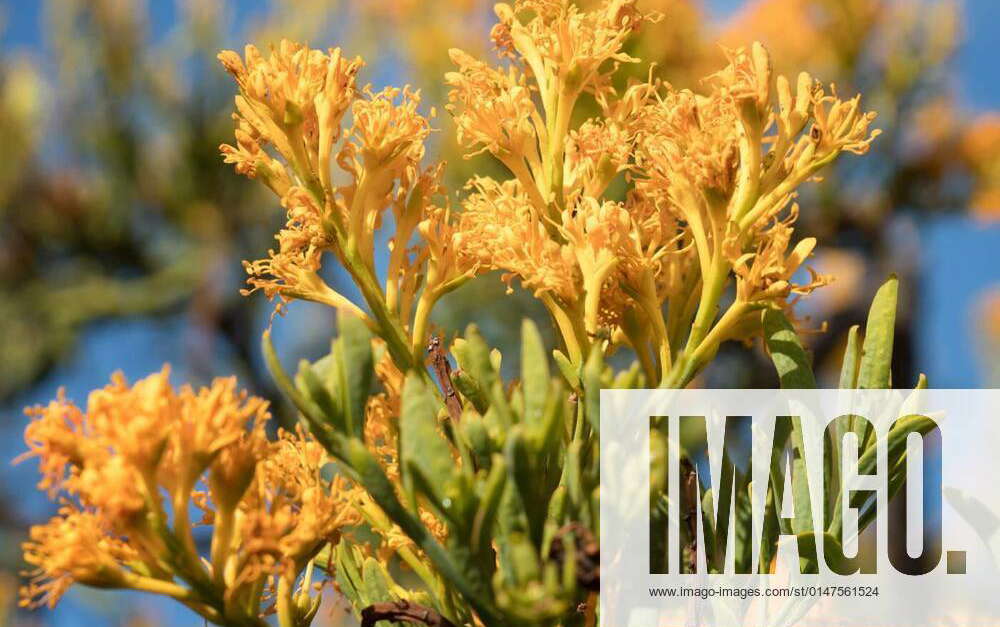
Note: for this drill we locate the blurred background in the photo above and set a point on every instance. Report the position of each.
(121, 232)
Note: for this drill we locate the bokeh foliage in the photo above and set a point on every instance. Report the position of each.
(114, 204)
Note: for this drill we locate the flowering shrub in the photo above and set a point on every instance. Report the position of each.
(663, 226)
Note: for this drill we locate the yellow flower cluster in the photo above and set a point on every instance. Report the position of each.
(130, 467)
(628, 226)
(658, 203)
(299, 114)
(709, 182)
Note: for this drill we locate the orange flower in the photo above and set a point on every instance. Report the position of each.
(74, 546)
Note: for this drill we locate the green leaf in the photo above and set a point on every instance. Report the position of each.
(803, 521)
(526, 478)
(310, 384)
(543, 435)
(473, 356)
(829, 539)
(852, 357)
(492, 491)
(423, 449)
(354, 351)
(312, 414)
(375, 582)
(523, 559)
(470, 390)
(371, 475)
(496, 359)
(895, 442)
(574, 482)
(790, 359)
(557, 506)
(708, 525)
(876, 356)
(568, 370)
(348, 576)
(592, 372)
(500, 406)
(477, 438)
(631, 379)
(534, 372)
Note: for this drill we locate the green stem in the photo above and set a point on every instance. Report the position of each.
(711, 292)
(177, 592)
(159, 586)
(520, 171)
(391, 330)
(420, 321)
(638, 340)
(748, 186)
(284, 604)
(222, 538)
(557, 144)
(182, 518)
(568, 328)
(650, 305)
(302, 165)
(691, 363)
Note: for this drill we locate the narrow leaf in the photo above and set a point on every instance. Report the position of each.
(895, 442)
(310, 384)
(525, 475)
(477, 438)
(569, 372)
(313, 415)
(852, 357)
(422, 447)
(592, 371)
(473, 356)
(534, 372)
(790, 359)
(876, 356)
(492, 491)
(470, 390)
(354, 351)
(375, 582)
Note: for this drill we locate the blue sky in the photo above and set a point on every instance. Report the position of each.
(978, 82)
(959, 261)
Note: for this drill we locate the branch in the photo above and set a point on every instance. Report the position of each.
(402, 610)
(588, 554)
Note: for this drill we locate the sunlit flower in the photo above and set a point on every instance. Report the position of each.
(74, 546)
(294, 100)
(557, 39)
(115, 488)
(304, 104)
(766, 274)
(133, 462)
(59, 436)
(493, 108)
(501, 231)
(389, 130)
(596, 152)
(292, 271)
(688, 143)
(292, 511)
(135, 420)
(641, 215)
